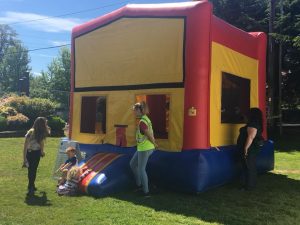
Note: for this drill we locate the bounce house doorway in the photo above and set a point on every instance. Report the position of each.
(159, 111)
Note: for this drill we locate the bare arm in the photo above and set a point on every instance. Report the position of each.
(42, 149)
(251, 135)
(62, 167)
(65, 166)
(150, 137)
(25, 150)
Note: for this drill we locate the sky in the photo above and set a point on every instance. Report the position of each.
(54, 31)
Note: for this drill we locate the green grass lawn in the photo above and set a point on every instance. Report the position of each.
(275, 201)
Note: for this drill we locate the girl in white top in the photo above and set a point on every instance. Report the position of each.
(34, 149)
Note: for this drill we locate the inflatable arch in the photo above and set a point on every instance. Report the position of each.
(197, 73)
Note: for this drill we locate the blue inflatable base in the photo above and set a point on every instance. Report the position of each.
(190, 171)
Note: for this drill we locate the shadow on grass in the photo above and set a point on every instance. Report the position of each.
(38, 200)
(276, 200)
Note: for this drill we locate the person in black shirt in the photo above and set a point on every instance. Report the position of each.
(249, 145)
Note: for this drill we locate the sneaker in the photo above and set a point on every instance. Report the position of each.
(146, 195)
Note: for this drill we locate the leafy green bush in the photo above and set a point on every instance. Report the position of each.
(15, 101)
(32, 108)
(3, 123)
(56, 124)
(17, 122)
(6, 111)
(21, 111)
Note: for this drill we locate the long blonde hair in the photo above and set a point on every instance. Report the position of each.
(74, 173)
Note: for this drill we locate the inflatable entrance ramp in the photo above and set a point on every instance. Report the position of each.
(110, 172)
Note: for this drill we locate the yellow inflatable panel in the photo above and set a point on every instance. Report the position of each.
(119, 112)
(224, 59)
(131, 51)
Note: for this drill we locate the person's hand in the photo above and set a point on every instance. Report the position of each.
(155, 145)
(25, 164)
(245, 155)
(42, 153)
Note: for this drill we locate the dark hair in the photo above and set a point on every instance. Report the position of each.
(142, 106)
(255, 116)
(40, 128)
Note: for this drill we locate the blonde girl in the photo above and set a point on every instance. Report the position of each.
(74, 176)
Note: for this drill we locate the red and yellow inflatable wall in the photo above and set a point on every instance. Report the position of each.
(177, 52)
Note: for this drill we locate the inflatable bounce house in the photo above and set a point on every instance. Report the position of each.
(198, 74)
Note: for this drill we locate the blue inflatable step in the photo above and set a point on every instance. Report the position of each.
(189, 171)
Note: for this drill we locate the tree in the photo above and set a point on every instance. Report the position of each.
(249, 15)
(287, 27)
(39, 86)
(7, 39)
(14, 59)
(55, 82)
(59, 71)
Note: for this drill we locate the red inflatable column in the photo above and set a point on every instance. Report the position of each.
(197, 72)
